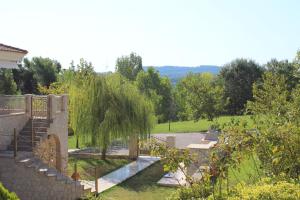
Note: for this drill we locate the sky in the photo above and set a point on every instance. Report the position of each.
(163, 32)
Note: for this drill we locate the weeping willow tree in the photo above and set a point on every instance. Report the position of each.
(105, 108)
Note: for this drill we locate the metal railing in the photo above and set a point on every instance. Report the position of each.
(40, 107)
(10, 104)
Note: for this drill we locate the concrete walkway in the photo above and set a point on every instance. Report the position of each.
(182, 140)
(122, 174)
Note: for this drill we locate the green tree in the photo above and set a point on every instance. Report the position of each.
(7, 83)
(159, 91)
(129, 66)
(276, 116)
(45, 70)
(290, 70)
(37, 71)
(105, 108)
(239, 76)
(25, 80)
(202, 95)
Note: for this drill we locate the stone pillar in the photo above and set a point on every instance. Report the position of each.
(28, 98)
(133, 147)
(64, 102)
(171, 141)
(51, 106)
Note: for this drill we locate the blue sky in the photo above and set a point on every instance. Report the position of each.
(163, 32)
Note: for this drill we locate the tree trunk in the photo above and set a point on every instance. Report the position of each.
(103, 153)
(77, 142)
(133, 147)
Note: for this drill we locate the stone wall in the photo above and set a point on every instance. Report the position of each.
(29, 184)
(59, 127)
(7, 124)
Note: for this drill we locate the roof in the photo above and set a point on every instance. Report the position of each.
(7, 48)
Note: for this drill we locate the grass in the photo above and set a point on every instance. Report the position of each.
(180, 127)
(86, 166)
(199, 126)
(249, 171)
(142, 186)
(72, 142)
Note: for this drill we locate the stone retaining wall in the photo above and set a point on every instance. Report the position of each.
(7, 124)
(29, 184)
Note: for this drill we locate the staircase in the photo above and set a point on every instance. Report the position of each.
(37, 168)
(24, 138)
(31, 179)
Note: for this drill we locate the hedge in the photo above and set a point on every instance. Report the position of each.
(6, 195)
(266, 190)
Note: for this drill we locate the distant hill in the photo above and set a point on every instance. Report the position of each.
(177, 72)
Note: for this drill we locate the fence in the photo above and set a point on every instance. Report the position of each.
(39, 106)
(10, 104)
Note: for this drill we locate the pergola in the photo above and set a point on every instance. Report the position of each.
(10, 56)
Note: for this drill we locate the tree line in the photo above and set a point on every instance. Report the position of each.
(194, 97)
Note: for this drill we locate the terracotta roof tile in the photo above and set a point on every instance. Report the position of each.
(4, 47)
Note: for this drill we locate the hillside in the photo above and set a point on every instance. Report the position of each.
(177, 72)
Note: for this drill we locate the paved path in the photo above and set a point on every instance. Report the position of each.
(182, 140)
(122, 174)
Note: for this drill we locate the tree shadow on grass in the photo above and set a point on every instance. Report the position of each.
(144, 180)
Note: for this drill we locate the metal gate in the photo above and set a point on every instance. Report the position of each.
(40, 107)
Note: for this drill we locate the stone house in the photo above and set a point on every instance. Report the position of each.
(34, 142)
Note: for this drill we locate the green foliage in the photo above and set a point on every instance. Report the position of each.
(37, 71)
(108, 107)
(7, 83)
(159, 91)
(239, 76)
(266, 189)
(196, 191)
(45, 70)
(277, 118)
(290, 70)
(129, 66)
(6, 195)
(200, 96)
(172, 158)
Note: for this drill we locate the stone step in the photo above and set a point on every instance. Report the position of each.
(6, 154)
(42, 129)
(29, 134)
(20, 148)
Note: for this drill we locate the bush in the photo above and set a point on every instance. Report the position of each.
(197, 191)
(6, 195)
(267, 190)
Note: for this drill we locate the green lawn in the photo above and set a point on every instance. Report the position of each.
(179, 127)
(72, 142)
(143, 186)
(86, 166)
(192, 126)
(249, 172)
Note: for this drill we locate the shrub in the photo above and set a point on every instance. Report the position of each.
(197, 191)
(6, 195)
(266, 190)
